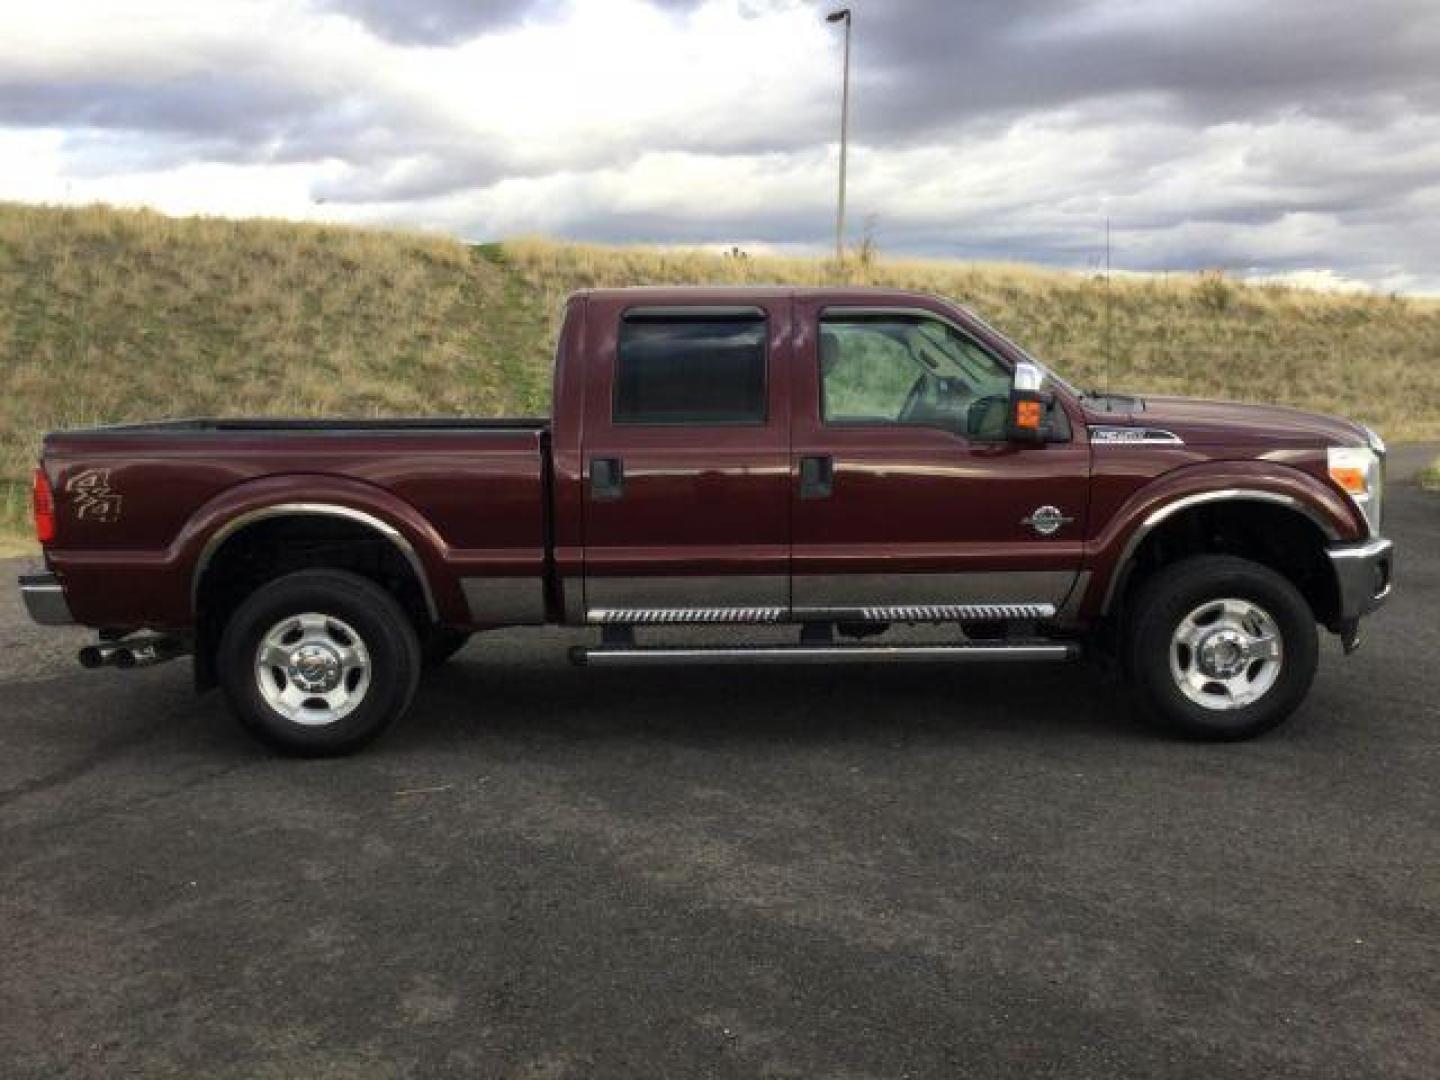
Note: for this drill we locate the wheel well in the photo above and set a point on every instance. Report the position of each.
(1285, 541)
(272, 547)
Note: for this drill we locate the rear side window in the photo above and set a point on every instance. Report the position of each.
(674, 368)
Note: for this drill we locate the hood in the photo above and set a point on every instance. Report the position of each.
(1221, 423)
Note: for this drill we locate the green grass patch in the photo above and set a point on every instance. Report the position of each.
(17, 532)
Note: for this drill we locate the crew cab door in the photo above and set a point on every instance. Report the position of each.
(903, 497)
(686, 462)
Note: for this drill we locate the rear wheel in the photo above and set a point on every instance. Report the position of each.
(1220, 647)
(319, 662)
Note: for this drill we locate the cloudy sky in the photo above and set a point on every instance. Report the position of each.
(1293, 138)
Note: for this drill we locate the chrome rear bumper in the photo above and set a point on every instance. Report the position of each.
(1364, 576)
(45, 599)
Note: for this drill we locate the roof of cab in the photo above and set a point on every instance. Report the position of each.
(710, 294)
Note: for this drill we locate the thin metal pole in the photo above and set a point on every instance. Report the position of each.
(844, 140)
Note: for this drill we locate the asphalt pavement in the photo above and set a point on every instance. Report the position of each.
(861, 872)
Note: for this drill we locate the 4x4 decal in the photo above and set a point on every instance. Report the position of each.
(92, 496)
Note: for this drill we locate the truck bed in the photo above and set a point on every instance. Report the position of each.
(211, 425)
(143, 501)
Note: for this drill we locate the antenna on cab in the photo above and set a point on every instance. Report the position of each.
(1109, 337)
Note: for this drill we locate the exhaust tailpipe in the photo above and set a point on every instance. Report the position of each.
(98, 656)
(147, 652)
(135, 653)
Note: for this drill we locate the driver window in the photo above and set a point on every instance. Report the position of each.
(900, 370)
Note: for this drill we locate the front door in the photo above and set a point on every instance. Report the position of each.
(686, 456)
(904, 507)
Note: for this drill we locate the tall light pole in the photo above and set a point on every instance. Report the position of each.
(843, 15)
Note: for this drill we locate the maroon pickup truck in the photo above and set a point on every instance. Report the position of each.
(838, 460)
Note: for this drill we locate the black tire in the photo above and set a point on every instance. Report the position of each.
(390, 650)
(440, 644)
(1157, 612)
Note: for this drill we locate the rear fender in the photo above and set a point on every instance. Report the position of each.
(400, 523)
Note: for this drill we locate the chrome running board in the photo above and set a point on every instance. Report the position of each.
(966, 652)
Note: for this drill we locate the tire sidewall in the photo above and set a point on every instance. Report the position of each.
(373, 614)
(1178, 591)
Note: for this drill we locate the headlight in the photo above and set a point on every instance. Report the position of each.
(1358, 470)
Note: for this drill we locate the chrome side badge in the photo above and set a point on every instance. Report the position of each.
(1131, 436)
(1046, 520)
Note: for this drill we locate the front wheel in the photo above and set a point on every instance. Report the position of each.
(1220, 647)
(318, 662)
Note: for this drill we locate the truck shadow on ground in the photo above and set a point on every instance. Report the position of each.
(472, 697)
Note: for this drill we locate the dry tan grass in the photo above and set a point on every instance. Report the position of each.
(109, 315)
(112, 315)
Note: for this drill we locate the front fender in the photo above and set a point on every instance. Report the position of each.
(1108, 552)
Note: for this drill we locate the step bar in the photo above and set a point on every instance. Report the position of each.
(908, 613)
(965, 652)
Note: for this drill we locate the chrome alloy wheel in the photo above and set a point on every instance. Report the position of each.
(1226, 654)
(312, 669)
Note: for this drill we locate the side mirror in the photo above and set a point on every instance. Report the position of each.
(1025, 418)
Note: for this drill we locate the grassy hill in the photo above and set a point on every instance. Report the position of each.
(109, 315)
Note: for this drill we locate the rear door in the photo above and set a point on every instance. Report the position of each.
(686, 462)
(901, 507)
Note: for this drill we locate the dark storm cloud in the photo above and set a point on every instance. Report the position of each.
(437, 22)
(928, 64)
(237, 108)
(923, 68)
(924, 64)
(240, 117)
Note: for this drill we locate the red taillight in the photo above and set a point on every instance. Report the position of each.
(43, 500)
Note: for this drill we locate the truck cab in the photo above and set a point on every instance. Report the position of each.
(811, 457)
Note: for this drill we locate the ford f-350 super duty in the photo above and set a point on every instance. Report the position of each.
(838, 460)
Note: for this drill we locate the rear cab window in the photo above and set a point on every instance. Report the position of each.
(691, 366)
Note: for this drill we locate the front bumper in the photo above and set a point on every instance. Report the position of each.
(45, 599)
(1364, 576)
